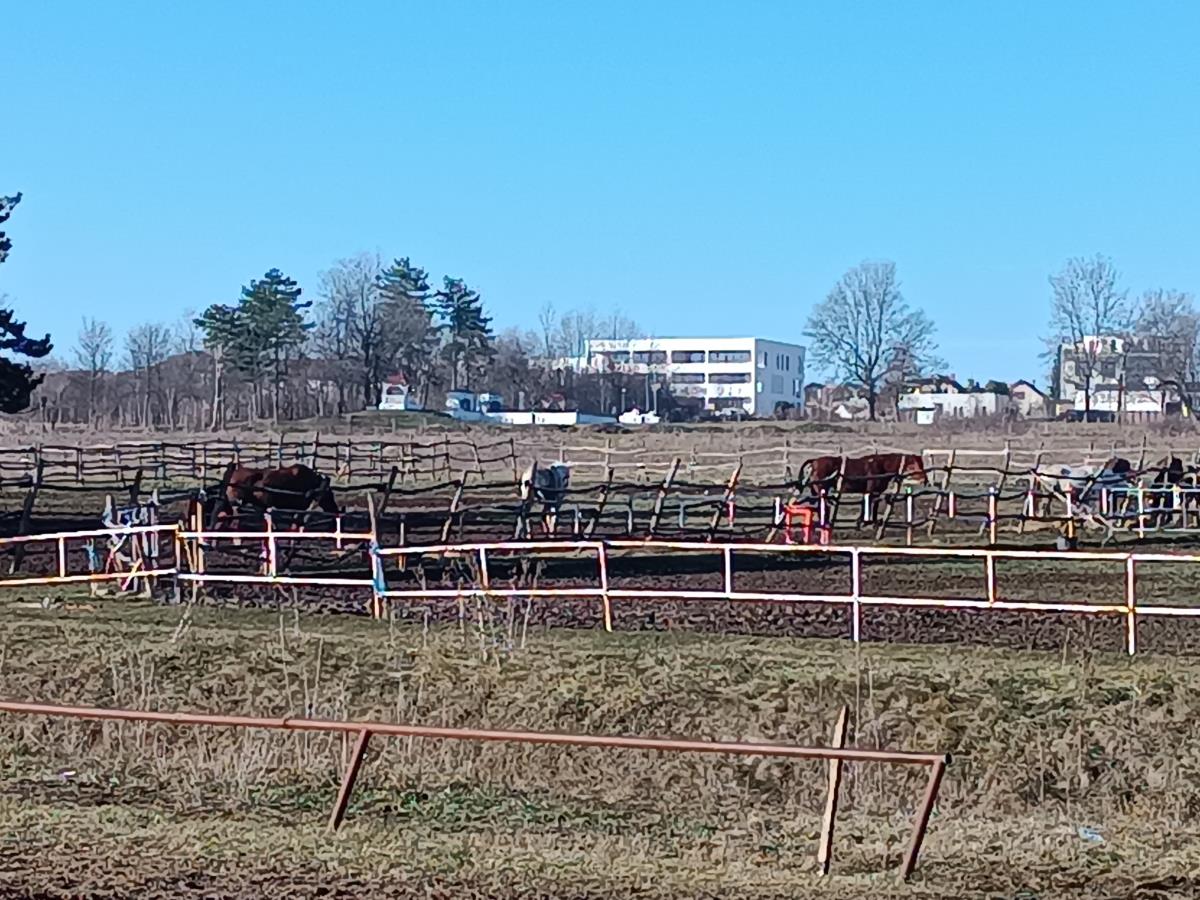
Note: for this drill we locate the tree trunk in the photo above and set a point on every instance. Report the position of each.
(872, 399)
(218, 401)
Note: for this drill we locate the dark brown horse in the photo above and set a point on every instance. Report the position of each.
(862, 474)
(293, 488)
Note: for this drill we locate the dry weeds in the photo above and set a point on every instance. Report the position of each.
(1045, 744)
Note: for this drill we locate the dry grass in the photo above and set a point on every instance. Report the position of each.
(1043, 743)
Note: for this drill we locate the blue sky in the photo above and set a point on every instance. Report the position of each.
(710, 168)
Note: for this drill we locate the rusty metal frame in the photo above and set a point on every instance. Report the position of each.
(364, 730)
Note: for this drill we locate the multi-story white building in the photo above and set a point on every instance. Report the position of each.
(749, 374)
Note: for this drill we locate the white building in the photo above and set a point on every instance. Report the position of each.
(929, 407)
(747, 374)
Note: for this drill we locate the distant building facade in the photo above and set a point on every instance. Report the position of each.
(1121, 367)
(749, 375)
(1027, 401)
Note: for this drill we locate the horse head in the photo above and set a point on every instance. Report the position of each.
(326, 499)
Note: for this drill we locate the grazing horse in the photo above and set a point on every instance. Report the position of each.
(547, 486)
(862, 474)
(293, 488)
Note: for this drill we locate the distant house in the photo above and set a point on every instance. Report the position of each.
(1027, 401)
(930, 399)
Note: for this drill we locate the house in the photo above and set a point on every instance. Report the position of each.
(943, 397)
(1117, 365)
(1027, 401)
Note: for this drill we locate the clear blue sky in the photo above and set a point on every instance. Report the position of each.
(710, 168)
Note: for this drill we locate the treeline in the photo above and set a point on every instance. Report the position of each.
(273, 355)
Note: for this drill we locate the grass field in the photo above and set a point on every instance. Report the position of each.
(1044, 744)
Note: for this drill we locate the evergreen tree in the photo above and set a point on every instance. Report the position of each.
(466, 331)
(17, 380)
(273, 329)
(411, 338)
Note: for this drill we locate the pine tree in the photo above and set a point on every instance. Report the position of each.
(273, 329)
(466, 331)
(17, 380)
(411, 338)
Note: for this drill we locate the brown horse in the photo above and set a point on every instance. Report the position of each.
(293, 488)
(863, 474)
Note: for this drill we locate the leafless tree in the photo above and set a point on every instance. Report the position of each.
(1087, 305)
(94, 356)
(1169, 321)
(146, 347)
(865, 328)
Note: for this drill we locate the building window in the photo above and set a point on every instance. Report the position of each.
(797, 388)
(729, 378)
(758, 387)
(650, 357)
(687, 378)
(762, 359)
(776, 384)
(618, 357)
(799, 363)
(687, 356)
(729, 356)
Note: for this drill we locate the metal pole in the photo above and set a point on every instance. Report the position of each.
(351, 775)
(922, 823)
(825, 847)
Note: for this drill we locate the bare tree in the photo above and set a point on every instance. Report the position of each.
(94, 355)
(1086, 308)
(146, 347)
(1169, 321)
(548, 322)
(865, 328)
(186, 335)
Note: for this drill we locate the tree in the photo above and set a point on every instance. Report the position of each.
(1086, 305)
(273, 328)
(864, 328)
(221, 327)
(1169, 321)
(466, 331)
(351, 330)
(17, 380)
(412, 347)
(146, 348)
(94, 356)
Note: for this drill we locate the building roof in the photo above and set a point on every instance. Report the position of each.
(1028, 384)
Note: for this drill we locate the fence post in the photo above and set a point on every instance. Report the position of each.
(855, 594)
(992, 516)
(348, 779)
(922, 824)
(825, 848)
(605, 600)
(1130, 607)
(271, 560)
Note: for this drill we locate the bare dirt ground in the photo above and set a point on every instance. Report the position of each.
(1075, 771)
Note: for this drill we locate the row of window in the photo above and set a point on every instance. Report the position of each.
(777, 381)
(713, 378)
(659, 357)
